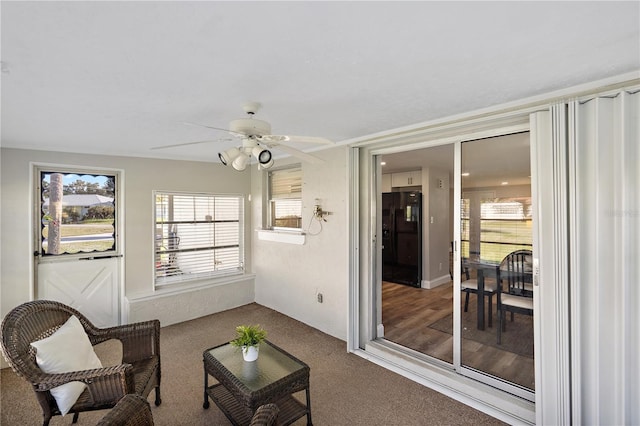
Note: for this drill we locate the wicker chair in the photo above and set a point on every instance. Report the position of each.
(131, 410)
(265, 415)
(139, 372)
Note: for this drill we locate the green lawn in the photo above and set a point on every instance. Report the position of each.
(82, 229)
(85, 246)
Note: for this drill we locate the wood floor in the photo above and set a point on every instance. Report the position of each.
(408, 312)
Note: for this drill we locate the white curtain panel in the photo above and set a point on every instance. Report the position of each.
(604, 165)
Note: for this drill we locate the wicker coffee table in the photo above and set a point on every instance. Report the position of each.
(243, 386)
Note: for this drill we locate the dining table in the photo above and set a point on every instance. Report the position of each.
(483, 270)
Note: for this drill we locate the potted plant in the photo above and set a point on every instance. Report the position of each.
(248, 338)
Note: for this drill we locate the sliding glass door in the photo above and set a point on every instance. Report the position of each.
(471, 306)
(496, 252)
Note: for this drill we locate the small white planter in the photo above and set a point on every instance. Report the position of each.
(250, 353)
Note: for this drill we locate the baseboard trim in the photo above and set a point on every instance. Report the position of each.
(436, 283)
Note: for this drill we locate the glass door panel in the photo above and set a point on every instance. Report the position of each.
(416, 222)
(496, 324)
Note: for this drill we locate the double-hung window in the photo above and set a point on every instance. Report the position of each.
(197, 236)
(285, 198)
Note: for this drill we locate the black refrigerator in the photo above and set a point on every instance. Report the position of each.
(402, 237)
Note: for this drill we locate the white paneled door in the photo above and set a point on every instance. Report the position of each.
(88, 285)
(78, 259)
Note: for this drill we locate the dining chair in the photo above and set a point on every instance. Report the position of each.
(470, 285)
(517, 297)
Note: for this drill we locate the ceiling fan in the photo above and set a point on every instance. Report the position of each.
(256, 140)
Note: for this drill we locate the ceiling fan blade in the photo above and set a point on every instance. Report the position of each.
(215, 128)
(291, 138)
(296, 153)
(189, 143)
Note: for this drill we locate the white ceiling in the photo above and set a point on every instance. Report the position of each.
(489, 162)
(121, 77)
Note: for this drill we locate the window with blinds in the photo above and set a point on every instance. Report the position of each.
(285, 198)
(505, 226)
(197, 236)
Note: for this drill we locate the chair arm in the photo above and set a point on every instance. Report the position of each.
(105, 384)
(130, 410)
(140, 340)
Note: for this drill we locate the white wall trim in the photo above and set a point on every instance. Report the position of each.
(441, 280)
(353, 213)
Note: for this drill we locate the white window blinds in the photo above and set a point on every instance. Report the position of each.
(286, 183)
(197, 236)
(285, 190)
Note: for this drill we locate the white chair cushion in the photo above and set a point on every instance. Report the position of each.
(489, 284)
(68, 349)
(517, 301)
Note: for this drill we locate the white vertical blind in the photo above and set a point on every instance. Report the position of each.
(605, 283)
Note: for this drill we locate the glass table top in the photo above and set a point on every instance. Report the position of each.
(272, 365)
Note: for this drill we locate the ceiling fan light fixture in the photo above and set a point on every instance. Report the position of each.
(240, 162)
(262, 155)
(266, 165)
(229, 156)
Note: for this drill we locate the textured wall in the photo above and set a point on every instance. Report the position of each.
(289, 276)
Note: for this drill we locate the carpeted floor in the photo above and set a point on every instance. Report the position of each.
(345, 388)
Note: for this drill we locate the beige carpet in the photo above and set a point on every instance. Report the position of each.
(345, 389)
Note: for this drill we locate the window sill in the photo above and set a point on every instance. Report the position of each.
(287, 237)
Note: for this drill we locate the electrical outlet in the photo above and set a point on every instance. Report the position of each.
(319, 297)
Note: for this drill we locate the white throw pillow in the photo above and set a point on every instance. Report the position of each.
(68, 349)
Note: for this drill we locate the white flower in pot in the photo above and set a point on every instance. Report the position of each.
(248, 338)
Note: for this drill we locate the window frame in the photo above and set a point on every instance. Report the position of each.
(45, 219)
(181, 279)
(271, 219)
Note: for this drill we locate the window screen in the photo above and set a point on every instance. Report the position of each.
(197, 236)
(77, 213)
